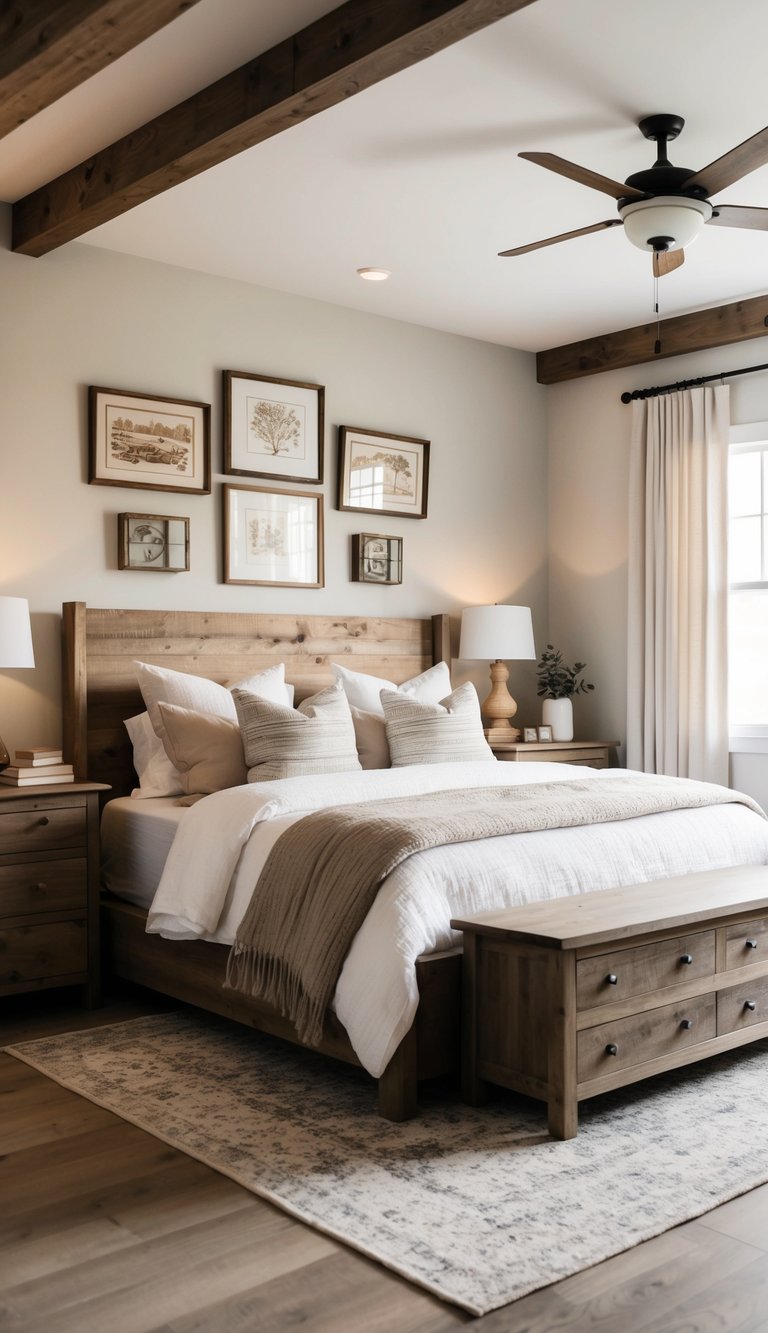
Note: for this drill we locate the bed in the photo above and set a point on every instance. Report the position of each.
(100, 648)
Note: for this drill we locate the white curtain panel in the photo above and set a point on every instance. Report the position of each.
(677, 720)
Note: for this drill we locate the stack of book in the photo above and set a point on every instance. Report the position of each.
(40, 764)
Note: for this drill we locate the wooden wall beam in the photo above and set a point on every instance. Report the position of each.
(48, 47)
(351, 48)
(630, 347)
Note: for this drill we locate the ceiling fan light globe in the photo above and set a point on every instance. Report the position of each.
(679, 220)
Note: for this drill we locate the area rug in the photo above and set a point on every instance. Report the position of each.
(479, 1206)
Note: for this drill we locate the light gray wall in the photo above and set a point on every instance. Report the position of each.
(85, 316)
(588, 433)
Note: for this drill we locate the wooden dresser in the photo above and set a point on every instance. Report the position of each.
(573, 997)
(49, 887)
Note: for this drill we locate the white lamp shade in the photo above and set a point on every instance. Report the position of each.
(15, 633)
(680, 220)
(489, 633)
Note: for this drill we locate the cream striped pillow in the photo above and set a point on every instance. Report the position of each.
(422, 733)
(281, 742)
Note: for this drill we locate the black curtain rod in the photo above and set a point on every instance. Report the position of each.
(628, 396)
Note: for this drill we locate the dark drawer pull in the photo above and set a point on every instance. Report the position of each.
(686, 958)
(687, 1023)
(611, 1048)
(750, 944)
(750, 1004)
(612, 979)
(43, 820)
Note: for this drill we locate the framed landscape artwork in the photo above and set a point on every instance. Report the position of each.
(156, 444)
(273, 427)
(382, 474)
(152, 542)
(273, 537)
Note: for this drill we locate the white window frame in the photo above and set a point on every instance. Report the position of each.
(752, 738)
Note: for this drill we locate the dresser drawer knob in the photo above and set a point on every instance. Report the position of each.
(612, 979)
(687, 1023)
(686, 958)
(611, 1048)
(750, 944)
(750, 1004)
(43, 820)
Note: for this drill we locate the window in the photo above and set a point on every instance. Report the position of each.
(748, 579)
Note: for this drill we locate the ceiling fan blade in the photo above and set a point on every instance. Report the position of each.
(583, 175)
(742, 159)
(666, 261)
(737, 215)
(564, 236)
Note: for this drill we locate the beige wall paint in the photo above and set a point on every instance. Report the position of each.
(85, 316)
(589, 429)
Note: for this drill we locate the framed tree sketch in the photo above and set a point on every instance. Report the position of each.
(148, 443)
(273, 537)
(382, 474)
(273, 427)
(152, 542)
(376, 558)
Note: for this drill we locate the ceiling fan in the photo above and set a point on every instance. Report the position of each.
(664, 208)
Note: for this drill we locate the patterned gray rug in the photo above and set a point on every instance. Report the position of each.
(478, 1206)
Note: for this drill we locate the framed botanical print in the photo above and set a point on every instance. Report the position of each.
(148, 443)
(152, 542)
(273, 427)
(273, 537)
(383, 474)
(376, 558)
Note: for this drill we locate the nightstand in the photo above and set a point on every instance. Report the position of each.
(49, 888)
(594, 754)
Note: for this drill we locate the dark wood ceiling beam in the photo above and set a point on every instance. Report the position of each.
(349, 49)
(631, 347)
(48, 47)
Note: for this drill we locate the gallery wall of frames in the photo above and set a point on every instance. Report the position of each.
(274, 433)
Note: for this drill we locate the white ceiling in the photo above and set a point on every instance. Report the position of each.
(420, 175)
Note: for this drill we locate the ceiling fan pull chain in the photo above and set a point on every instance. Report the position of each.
(657, 344)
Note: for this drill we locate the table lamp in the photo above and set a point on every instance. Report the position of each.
(15, 644)
(498, 634)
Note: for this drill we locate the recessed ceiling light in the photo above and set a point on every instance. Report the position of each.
(374, 274)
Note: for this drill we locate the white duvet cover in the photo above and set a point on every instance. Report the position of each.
(224, 839)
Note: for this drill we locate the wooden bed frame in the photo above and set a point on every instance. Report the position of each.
(100, 691)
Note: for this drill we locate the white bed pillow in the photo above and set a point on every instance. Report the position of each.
(207, 750)
(157, 775)
(442, 733)
(281, 742)
(364, 695)
(200, 695)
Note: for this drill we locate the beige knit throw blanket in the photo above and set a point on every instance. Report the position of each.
(323, 873)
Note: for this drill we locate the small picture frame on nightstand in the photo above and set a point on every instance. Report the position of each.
(530, 734)
(544, 733)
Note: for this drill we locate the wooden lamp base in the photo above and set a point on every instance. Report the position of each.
(499, 707)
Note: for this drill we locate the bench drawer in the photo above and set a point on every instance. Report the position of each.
(742, 1006)
(613, 976)
(746, 943)
(632, 1041)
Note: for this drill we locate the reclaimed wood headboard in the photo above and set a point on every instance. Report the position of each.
(100, 646)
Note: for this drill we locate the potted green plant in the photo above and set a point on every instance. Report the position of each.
(557, 684)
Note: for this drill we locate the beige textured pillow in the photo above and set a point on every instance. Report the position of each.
(364, 695)
(207, 750)
(280, 742)
(423, 733)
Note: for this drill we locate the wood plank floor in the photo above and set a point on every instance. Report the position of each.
(104, 1229)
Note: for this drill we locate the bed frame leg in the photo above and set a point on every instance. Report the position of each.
(398, 1085)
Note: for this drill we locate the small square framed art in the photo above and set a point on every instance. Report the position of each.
(273, 427)
(376, 558)
(382, 474)
(148, 443)
(273, 537)
(153, 542)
